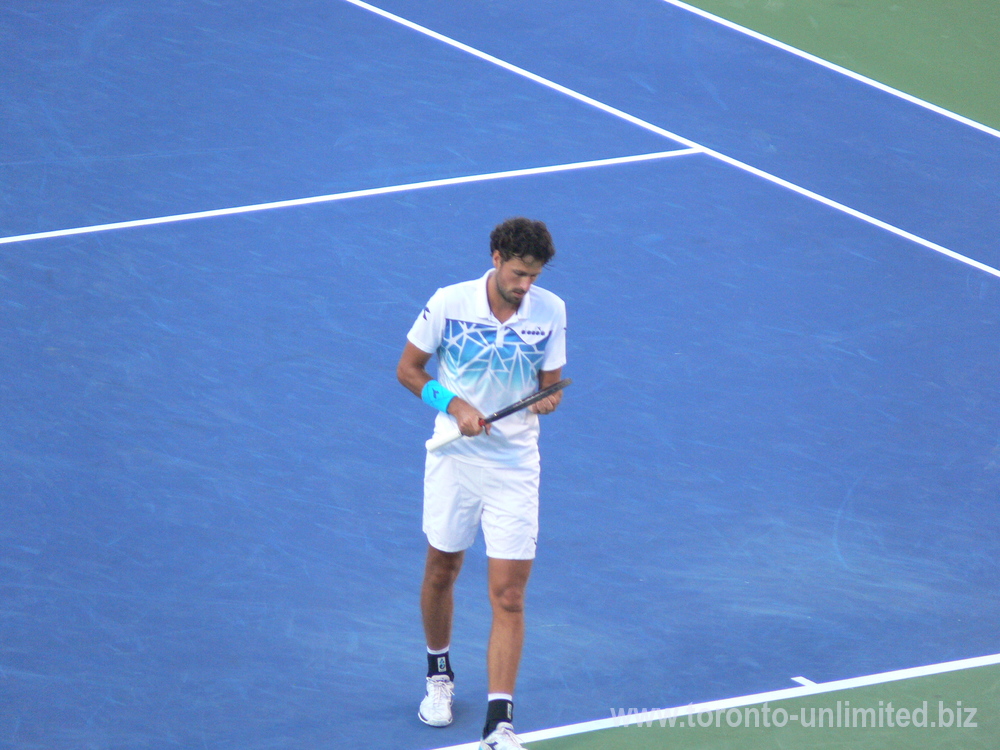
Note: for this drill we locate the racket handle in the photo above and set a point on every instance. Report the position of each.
(442, 440)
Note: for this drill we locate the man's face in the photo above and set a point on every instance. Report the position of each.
(514, 277)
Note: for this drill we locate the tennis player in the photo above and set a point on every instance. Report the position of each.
(498, 339)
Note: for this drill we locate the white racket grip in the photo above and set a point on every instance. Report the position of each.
(442, 440)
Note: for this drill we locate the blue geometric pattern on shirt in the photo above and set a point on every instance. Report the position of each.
(469, 350)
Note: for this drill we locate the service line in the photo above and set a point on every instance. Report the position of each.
(365, 193)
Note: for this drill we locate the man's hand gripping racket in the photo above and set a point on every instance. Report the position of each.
(449, 437)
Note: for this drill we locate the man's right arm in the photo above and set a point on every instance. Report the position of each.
(412, 368)
(412, 373)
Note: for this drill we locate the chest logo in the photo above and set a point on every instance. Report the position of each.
(531, 334)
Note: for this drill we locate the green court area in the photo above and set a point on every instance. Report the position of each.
(958, 708)
(946, 52)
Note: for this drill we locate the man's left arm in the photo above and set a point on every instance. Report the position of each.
(555, 358)
(548, 404)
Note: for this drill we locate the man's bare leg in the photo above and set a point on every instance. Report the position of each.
(437, 602)
(437, 606)
(508, 580)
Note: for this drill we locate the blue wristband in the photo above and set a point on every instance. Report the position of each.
(436, 395)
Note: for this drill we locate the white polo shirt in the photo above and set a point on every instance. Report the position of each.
(492, 364)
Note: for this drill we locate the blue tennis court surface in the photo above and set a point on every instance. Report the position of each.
(780, 455)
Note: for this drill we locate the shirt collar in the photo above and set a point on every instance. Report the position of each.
(483, 302)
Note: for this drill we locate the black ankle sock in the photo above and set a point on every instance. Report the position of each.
(439, 664)
(498, 711)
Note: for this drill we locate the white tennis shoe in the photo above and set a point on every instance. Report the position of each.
(502, 738)
(435, 708)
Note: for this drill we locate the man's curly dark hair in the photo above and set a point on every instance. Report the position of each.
(521, 238)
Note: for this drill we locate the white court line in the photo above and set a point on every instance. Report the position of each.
(836, 68)
(856, 214)
(693, 147)
(464, 180)
(816, 688)
(681, 139)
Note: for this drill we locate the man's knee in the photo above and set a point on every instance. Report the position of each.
(442, 568)
(508, 598)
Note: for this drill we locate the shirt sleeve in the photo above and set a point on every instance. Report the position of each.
(555, 350)
(428, 329)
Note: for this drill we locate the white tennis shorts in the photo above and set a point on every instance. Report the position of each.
(459, 497)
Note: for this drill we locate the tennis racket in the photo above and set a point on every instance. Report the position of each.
(449, 437)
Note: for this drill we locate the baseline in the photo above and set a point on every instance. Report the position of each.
(748, 700)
